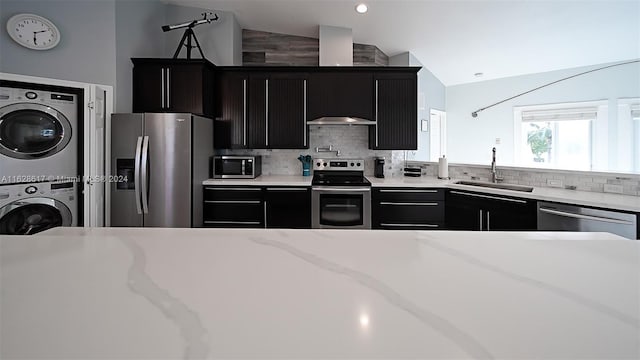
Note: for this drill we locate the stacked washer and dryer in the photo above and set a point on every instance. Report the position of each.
(38, 160)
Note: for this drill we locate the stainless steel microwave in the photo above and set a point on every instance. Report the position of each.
(236, 167)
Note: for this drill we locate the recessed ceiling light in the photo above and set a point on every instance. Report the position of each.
(478, 74)
(361, 8)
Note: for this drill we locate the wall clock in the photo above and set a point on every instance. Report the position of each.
(33, 31)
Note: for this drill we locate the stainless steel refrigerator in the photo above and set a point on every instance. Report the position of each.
(159, 161)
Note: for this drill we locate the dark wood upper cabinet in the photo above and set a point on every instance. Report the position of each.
(395, 112)
(232, 113)
(173, 85)
(261, 110)
(257, 111)
(340, 93)
(286, 119)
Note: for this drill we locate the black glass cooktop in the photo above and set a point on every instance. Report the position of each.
(339, 178)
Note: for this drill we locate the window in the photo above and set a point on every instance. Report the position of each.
(559, 137)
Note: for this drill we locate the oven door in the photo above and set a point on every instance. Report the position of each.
(341, 207)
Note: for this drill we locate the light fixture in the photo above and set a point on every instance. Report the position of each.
(364, 320)
(475, 113)
(361, 8)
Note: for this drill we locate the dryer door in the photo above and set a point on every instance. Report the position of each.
(29, 131)
(30, 216)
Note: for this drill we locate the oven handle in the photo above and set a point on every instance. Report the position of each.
(340, 189)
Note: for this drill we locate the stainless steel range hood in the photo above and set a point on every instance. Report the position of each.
(340, 120)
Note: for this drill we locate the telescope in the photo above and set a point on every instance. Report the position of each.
(189, 35)
(192, 23)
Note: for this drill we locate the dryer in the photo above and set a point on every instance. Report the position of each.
(27, 209)
(38, 135)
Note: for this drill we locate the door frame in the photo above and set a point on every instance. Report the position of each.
(92, 175)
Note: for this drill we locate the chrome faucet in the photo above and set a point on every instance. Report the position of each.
(494, 173)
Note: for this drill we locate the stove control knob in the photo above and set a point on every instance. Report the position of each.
(324, 164)
(318, 164)
(31, 190)
(351, 164)
(358, 164)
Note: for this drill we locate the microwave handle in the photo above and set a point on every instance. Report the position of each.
(244, 163)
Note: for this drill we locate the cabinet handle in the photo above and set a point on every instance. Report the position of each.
(411, 225)
(480, 211)
(232, 222)
(232, 201)
(376, 117)
(585, 217)
(266, 115)
(409, 203)
(168, 88)
(488, 220)
(489, 197)
(286, 189)
(265, 214)
(244, 112)
(233, 189)
(411, 191)
(163, 87)
(304, 113)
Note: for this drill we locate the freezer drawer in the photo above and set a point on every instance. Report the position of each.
(563, 217)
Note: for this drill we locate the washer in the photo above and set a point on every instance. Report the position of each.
(27, 209)
(37, 140)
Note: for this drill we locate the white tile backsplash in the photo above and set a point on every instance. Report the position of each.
(353, 142)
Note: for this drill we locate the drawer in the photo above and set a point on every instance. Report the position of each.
(428, 212)
(408, 194)
(231, 213)
(221, 193)
(406, 226)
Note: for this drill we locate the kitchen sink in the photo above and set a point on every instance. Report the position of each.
(497, 186)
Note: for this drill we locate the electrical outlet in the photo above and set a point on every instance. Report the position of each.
(498, 141)
(610, 188)
(554, 183)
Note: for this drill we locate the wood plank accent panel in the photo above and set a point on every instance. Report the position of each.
(261, 48)
(266, 48)
(369, 55)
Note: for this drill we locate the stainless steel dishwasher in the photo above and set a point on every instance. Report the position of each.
(561, 217)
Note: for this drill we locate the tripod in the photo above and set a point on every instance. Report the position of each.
(188, 36)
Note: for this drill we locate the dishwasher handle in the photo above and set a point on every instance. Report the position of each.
(584, 217)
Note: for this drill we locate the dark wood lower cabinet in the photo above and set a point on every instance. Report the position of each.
(232, 207)
(484, 212)
(408, 208)
(288, 207)
(257, 207)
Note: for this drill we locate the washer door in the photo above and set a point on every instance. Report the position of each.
(30, 216)
(29, 131)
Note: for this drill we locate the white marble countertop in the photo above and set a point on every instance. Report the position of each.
(73, 293)
(584, 198)
(264, 180)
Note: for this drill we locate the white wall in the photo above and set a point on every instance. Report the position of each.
(335, 46)
(138, 34)
(470, 139)
(87, 48)
(100, 37)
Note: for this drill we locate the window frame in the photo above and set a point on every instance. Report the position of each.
(599, 131)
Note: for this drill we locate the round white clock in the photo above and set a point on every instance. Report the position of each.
(33, 31)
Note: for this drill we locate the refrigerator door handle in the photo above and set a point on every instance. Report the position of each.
(136, 175)
(144, 165)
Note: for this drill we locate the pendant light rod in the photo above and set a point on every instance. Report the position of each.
(475, 113)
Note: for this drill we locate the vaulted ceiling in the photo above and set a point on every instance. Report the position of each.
(456, 39)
